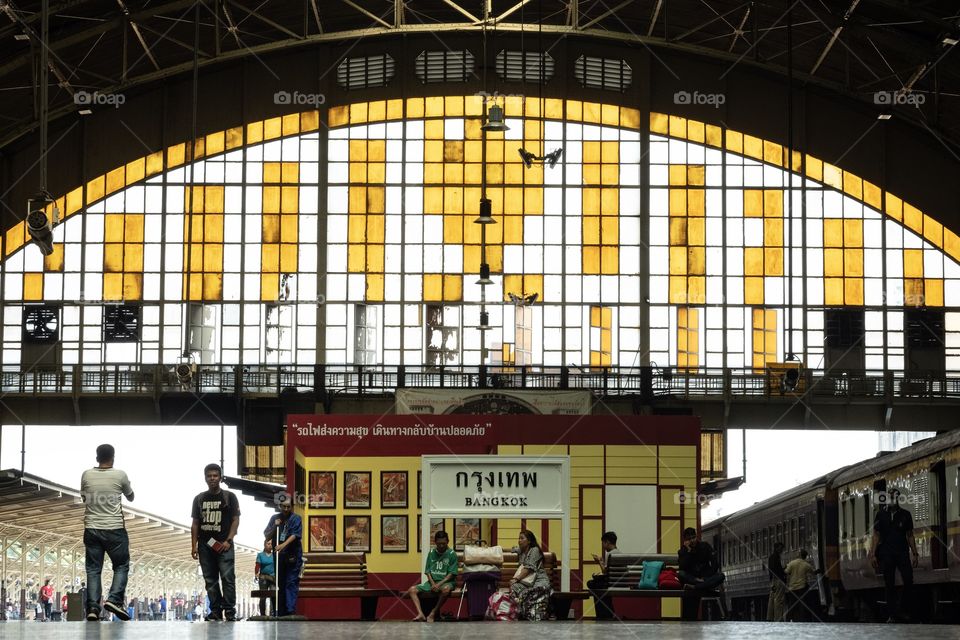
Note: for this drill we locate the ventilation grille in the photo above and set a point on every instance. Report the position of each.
(444, 66)
(610, 74)
(364, 73)
(121, 323)
(41, 324)
(924, 328)
(844, 328)
(525, 66)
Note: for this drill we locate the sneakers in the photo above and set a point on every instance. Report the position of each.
(93, 616)
(116, 610)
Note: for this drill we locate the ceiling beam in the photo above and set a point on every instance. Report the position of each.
(836, 34)
(372, 16)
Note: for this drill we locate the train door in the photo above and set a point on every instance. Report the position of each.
(938, 514)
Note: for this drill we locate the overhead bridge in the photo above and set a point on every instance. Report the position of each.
(224, 394)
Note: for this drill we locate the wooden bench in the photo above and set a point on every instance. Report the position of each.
(336, 575)
(561, 601)
(624, 572)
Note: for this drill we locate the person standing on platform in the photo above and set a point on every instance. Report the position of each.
(216, 518)
(799, 570)
(778, 584)
(46, 598)
(890, 550)
(603, 604)
(441, 572)
(104, 532)
(288, 529)
(265, 573)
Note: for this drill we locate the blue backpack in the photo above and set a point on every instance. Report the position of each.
(651, 574)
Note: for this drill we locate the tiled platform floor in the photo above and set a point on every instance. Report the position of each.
(248, 630)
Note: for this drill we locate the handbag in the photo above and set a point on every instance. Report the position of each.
(650, 575)
(473, 554)
(526, 581)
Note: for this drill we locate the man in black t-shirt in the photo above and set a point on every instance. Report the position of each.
(216, 517)
(699, 572)
(890, 549)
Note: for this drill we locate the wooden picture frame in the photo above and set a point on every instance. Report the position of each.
(393, 490)
(357, 486)
(356, 533)
(322, 533)
(466, 531)
(322, 490)
(394, 534)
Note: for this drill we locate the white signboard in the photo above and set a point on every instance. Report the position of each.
(498, 487)
(493, 401)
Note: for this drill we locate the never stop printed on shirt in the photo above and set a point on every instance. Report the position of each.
(215, 511)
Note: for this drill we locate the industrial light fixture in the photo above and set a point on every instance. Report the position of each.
(21, 37)
(185, 370)
(949, 41)
(39, 224)
(550, 160)
(884, 116)
(484, 321)
(495, 120)
(486, 209)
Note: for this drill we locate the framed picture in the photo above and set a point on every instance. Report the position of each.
(393, 489)
(356, 533)
(465, 531)
(323, 489)
(393, 534)
(356, 489)
(323, 533)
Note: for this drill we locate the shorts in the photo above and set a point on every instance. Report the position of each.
(426, 588)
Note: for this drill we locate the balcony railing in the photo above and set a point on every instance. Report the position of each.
(646, 382)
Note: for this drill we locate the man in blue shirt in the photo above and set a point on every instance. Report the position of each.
(288, 529)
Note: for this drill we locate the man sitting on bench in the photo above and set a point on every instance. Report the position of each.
(441, 573)
(699, 571)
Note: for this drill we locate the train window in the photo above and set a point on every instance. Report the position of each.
(802, 520)
(766, 542)
(953, 493)
(779, 532)
(793, 533)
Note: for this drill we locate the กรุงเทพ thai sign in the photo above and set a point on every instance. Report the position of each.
(504, 486)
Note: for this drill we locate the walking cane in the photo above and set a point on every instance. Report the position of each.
(276, 571)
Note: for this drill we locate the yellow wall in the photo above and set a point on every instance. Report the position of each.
(591, 465)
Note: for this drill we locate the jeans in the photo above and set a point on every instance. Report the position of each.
(690, 605)
(889, 565)
(116, 544)
(288, 583)
(47, 608)
(267, 581)
(218, 572)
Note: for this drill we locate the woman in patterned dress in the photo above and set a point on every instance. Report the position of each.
(531, 593)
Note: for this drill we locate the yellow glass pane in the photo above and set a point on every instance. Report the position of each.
(591, 230)
(714, 136)
(772, 153)
(933, 292)
(610, 260)
(133, 257)
(269, 286)
(113, 227)
(270, 258)
(678, 202)
(951, 244)
(290, 124)
(113, 258)
(288, 258)
(610, 174)
(773, 203)
(95, 189)
(696, 202)
(678, 260)
(695, 130)
(833, 262)
(154, 163)
(678, 175)
(610, 230)
(773, 232)
(132, 286)
(272, 128)
(591, 201)
(753, 261)
(832, 232)
(773, 262)
(659, 123)
(376, 199)
(696, 175)
(852, 185)
(853, 233)
(913, 263)
(195, 284)
(734, 141)
(375, 258)
(913, 218)
(356, 259)
(74, 201)
(832, 176)
(913, 292)
(116, 179)
(678, 231)
(853, 263)
(377, 111)
(112, 286)
(452, 229)
(697, 261)
(133, 227)
(270, 231)
(932, 231)
(678, 127)
(696, 289)
(212, 257)
(752, 203)
(833, 291)
(452, 288)
(212, 286)
(678, 289)
(894, 206)
(433, 287)
(609, 202)
(872, 195)
(853, 291)
(289, 230)
(255, 131)
(753, 147)
(753, 290)
(591, 260)
(374, 289)
(513, 229)
(54, 261)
